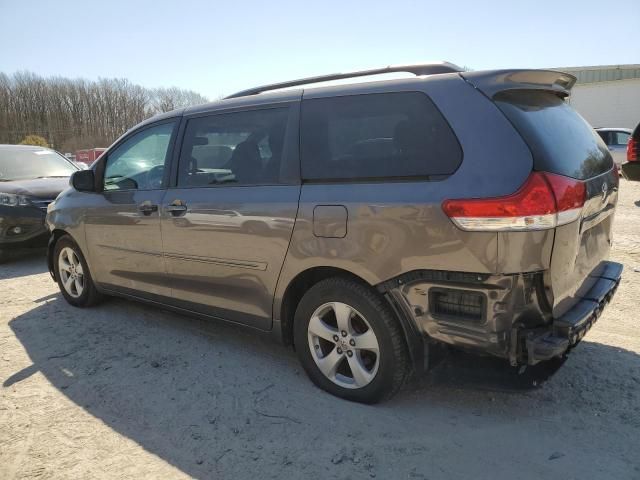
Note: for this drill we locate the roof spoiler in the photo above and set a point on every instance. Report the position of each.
(419, 69)
(494, 81)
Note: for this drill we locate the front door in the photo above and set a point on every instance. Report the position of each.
(228, 223)
(122, 223)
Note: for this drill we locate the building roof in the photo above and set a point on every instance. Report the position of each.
(603, 73)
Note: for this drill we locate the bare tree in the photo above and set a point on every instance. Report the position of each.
(167, 99)
(78, 113)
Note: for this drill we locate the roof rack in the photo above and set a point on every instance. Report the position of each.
(420, 69)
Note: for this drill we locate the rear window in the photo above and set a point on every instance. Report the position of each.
(560, 139)
(373, 136)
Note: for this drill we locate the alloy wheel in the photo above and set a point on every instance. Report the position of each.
(343, 345)
(71, 272)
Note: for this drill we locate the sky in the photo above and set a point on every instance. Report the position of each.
(216, 48)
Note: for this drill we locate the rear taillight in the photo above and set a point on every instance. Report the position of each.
(632, 150)
(546, 200)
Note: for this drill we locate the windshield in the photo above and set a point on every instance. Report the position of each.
(25, 164)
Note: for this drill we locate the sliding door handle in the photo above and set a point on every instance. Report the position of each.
(175, 209)
(147, 208)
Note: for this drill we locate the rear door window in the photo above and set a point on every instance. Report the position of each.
(240, 148)
(374, 136)
(560, 139)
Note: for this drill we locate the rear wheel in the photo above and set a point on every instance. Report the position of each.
(349, 342)
(72, 274)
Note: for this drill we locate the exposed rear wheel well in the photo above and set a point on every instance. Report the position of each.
(298, 287)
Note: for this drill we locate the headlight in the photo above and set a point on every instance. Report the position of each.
(50, 206)
(13, 200)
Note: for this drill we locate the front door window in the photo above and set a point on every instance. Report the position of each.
(139, 162)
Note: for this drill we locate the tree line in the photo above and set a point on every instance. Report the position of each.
(72, 114)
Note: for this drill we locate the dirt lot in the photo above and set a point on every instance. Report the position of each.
(128, 391)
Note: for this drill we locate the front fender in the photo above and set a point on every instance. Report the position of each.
(50, 247)
(66, 217)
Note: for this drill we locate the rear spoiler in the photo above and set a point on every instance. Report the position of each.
(494, 81)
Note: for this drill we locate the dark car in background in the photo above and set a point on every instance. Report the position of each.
(30, 179)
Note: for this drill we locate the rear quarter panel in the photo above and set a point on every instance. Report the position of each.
(397, 227)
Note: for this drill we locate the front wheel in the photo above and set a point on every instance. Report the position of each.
(72, 274)
(349, 342)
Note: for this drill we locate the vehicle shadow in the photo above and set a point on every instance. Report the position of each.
(208, 397)
(23, 263)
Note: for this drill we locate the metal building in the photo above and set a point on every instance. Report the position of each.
(607, 95)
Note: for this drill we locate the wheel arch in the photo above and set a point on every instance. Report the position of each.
(297, 287)
(56, 234)
(283, 322)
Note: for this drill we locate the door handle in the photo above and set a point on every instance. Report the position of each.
(176, 209)
(147, 208)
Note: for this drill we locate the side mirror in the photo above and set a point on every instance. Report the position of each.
(83, 181)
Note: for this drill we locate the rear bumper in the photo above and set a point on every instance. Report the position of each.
(516, 324)
(565, 332)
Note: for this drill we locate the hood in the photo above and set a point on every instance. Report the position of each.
(44, 188)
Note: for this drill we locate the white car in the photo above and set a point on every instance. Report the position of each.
(616, 140)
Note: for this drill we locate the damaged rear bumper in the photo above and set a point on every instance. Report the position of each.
(566, 331)
(507, 316)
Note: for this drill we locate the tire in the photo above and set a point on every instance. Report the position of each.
(376, 376)
(82, 291)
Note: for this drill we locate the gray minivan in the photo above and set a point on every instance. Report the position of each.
(361, 223)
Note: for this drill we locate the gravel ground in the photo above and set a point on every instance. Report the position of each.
(128, 391)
